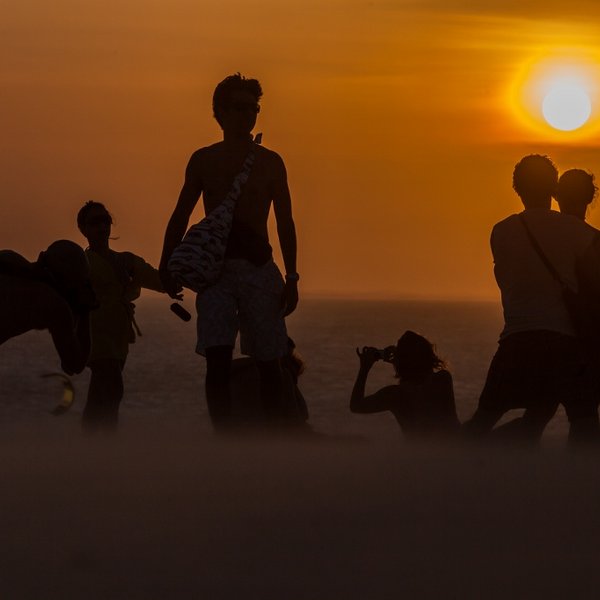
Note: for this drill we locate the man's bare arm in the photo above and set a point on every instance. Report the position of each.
(286, 231)
(178, 223)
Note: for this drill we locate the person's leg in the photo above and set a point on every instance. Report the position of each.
(217, 328)
(105, 393)
(580, 394)
(582, 412)
(491, 406)
(534, 421)
(218, 398)
(271, 389)
(526, 372)
(263, 332)
(482, 422)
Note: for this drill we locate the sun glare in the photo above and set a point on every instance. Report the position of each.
(557, 95)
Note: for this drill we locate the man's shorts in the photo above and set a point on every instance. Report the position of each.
(536, 368)
(247, 299)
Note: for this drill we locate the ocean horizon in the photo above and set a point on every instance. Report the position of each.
(164, 378)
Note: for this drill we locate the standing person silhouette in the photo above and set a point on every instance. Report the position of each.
(423, 400)
(539, 362)
(117, 279)
(575, 192)
(250, 296)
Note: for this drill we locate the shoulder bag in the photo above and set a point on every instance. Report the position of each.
(198, 260)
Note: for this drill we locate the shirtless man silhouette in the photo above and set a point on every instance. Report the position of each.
(251, 296)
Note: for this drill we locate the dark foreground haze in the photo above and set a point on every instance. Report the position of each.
(163, 512)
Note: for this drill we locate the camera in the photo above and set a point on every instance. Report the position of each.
(385, 354)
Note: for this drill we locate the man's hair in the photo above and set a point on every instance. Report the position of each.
(576, 186)
(86, 208)
(535, 176)
(229, 85)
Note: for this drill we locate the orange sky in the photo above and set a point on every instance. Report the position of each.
(393, 117)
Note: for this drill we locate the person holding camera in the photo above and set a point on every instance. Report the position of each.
(423, 399)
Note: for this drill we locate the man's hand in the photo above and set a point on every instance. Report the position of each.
(289, 299)
(170, 286)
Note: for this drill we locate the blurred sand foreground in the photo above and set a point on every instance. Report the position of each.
(164, 512)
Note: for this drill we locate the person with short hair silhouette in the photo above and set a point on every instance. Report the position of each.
(575, 191)
(117, 279)
(423, 399)
(51, 293)
(251, 296)
(539, 361)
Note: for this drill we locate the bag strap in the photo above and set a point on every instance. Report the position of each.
(540, 253)
(242, 177)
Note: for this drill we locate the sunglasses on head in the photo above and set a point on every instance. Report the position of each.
(242, 106)
(99, 220)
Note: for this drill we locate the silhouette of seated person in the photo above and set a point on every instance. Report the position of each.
(247, 403)
(51, 293)
(117, 279)
(423, 399)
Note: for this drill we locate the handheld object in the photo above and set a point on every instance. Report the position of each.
(68, 393)
(183, 314)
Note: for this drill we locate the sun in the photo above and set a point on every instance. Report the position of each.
(567, 105)
(556, 95)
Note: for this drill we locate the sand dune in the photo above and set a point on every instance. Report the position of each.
(169, 511)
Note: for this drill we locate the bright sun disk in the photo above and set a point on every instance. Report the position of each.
(566, 106)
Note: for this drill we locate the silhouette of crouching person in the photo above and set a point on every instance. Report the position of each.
(51, 293)
(247, 405)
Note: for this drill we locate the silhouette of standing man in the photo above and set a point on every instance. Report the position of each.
(539, 362)
(251, 296)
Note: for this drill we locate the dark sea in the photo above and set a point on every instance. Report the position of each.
(164, 377)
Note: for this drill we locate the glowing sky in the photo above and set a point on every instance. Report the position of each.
(397, 120)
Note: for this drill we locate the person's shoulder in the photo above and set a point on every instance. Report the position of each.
(507, 221)
(269, 154)
(572, 227)
(505, 226)
(205, 153)
(126, 258)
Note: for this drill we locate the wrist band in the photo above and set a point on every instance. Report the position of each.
(292, 277)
